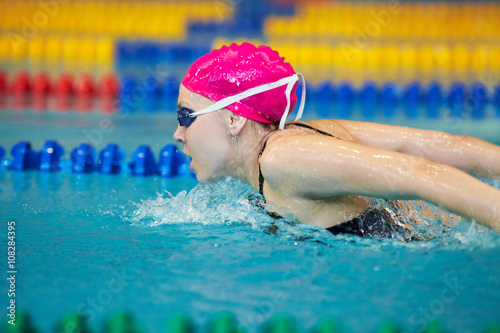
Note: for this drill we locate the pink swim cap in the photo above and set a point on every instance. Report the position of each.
(231, 70)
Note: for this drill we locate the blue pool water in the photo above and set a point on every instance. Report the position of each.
(95, 244)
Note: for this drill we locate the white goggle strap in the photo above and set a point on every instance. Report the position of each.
(302, 101)
(247, 93)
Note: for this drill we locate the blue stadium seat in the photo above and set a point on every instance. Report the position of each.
(434, 99)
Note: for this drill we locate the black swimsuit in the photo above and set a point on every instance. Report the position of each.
(373, 222)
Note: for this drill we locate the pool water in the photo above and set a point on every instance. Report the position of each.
(94, 244)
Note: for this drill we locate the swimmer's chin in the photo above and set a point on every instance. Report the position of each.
(209, 179)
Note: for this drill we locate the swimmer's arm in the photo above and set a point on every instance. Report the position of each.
(464, 152)
(310, 168)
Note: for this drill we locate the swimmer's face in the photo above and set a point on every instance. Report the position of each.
(206, 139)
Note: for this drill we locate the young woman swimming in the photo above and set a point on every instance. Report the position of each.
(233, 104)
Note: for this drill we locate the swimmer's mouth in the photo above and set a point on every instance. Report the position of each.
(190, 162)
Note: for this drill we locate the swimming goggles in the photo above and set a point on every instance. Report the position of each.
(183, 116)
(187, 117)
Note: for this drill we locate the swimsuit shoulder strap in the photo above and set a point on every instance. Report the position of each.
(261, 177)
(274, 215)
(311, 128)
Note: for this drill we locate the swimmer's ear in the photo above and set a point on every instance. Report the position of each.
(235, 123)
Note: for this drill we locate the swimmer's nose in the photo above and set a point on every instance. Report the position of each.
(180, 134)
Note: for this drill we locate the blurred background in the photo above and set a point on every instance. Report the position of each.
(362, 59)
(101, 77)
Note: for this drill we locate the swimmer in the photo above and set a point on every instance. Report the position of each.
(233, 105)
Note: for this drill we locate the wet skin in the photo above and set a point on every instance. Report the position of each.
(319, 180)
(215, 155)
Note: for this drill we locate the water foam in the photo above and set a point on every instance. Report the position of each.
(231, 201)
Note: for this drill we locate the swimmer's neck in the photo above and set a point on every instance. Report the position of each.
(244, 163)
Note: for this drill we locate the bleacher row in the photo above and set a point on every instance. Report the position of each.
(333, 43)
(146, 19)
(409, 20)
(402, 62)
(164, 20)
(477, 100)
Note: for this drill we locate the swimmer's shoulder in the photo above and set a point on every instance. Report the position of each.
(290, 143)
(288, 157)
(331, 126)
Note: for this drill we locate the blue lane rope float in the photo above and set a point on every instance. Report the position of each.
(110, 160)
(170, 160)
(23, 157)
(143, 162)
(83, 158)
(50, 156)
(222, 322)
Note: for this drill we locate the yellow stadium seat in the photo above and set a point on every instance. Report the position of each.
(3, 15)
(437, 34)
(53, 47)
(290, 52)
(442, 55)
(391, 56)
(70, 48)
(294, 28)
(306, 54)
(494, 63)
(374, 56)
(18, 47)
(105, 50)
(87, 52)
(357, 58)
(341, 54)
(408, 56)
(460, 56)
(479, 59)
(425, 56)
(5, 47)
(390, 63)
(36, 48)
(324, 56)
